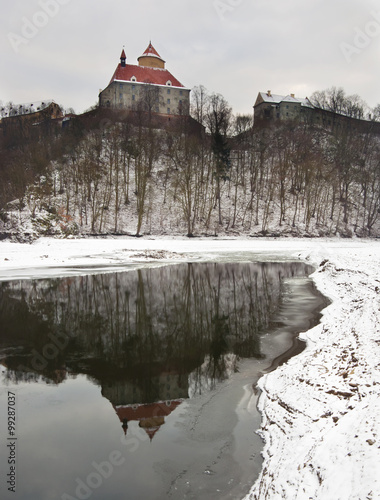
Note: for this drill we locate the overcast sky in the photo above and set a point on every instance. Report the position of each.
(233, 47)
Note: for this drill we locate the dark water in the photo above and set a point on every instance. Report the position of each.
(142, 384)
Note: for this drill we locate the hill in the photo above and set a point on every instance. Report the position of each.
(123, 173)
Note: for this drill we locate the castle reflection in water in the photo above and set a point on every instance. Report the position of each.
(150, 338)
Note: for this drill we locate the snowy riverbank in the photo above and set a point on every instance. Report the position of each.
(321, 410)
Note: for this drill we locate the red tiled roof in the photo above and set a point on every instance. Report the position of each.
(151, 432)
(144, 74)
(143, 411)
(150, 416)
(151, 51)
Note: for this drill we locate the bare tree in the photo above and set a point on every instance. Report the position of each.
(218, 121)
(199, 103)
(147, 148)
(149, 100)
(335, 100)
(184, 150)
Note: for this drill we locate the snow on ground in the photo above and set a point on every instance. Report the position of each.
(321, 410)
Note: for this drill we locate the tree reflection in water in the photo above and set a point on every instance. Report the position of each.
(145, 336)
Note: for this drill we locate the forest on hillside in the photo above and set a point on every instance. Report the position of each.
(215, 174)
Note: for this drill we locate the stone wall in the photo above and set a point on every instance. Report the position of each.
(155, 98)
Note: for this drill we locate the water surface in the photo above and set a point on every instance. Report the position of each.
(142, 384)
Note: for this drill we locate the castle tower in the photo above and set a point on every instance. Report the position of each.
(151, 58)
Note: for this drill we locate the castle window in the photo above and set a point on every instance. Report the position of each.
(168, 83)
(168, 101)
(133, 87)
(133, 79)
(180, 92)
(133, 97)
(168, 110)
(168, 91)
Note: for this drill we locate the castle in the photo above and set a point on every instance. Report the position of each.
(147, 87)
(273, 108)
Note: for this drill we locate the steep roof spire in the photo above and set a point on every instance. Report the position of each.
(123, 58)
(151, 51)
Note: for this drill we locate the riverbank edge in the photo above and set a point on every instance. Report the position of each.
(321, 411)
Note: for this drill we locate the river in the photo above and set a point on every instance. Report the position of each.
(142, 384)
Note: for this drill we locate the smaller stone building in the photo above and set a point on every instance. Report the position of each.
(32, 113)
(29, 120)
(148, 86)
(272, 107)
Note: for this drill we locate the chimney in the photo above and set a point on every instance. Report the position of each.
(269, 94)
(292, 95)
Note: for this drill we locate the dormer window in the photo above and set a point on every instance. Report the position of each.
(133, 79)
(169, 83)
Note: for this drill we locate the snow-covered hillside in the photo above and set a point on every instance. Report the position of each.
(140, 181)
